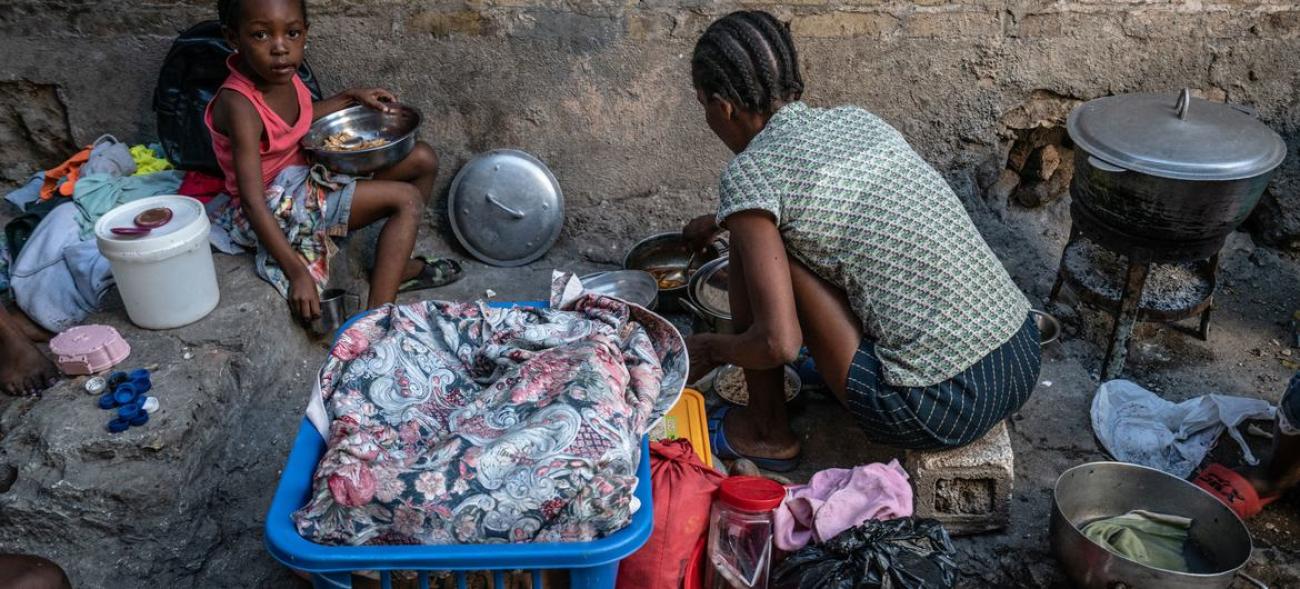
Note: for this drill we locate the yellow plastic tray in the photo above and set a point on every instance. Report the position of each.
(688, 419)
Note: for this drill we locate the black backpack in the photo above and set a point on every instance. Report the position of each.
(193, 70)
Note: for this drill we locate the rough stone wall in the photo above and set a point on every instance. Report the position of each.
(600, 89)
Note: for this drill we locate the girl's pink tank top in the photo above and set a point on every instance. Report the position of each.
(279, 147)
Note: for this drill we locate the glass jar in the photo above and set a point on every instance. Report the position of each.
(740, 533)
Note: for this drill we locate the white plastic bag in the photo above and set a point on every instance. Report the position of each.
(1137, 426)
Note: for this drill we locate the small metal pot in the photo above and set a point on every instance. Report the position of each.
(668, 250)
(398, 127)
(706, 292)
(1098, 490)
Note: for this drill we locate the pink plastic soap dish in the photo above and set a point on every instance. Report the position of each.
(87, 349)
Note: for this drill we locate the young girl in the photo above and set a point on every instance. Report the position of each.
(844, 240)
(286, 209)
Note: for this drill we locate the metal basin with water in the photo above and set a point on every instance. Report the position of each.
(1219, 544)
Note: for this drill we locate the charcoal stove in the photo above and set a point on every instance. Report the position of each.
(1160, 181)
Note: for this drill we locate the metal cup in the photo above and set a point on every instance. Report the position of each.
(334, 310)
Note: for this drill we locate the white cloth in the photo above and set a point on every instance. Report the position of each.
(1137, 426)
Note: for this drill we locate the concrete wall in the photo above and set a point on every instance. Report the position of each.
(600, 89)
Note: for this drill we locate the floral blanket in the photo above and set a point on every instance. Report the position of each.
(459, 423)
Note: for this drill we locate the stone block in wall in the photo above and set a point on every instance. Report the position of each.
(968, 489)
(956, 24)
(844, 24)
(445, 24)
(1068, 24)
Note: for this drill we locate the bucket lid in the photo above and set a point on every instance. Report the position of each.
(751, 493)
(189, 220)
(1176, 136)
(506, 207)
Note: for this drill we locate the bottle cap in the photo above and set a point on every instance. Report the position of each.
(150, 404)
(106, 401)
(96, 385)
(118, 425)
(125, 393)
(749, 493)
(140, 418)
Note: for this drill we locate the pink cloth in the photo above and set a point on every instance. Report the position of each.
(279, 147)
(837, 499)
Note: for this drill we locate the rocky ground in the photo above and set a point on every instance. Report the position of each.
(181, 501)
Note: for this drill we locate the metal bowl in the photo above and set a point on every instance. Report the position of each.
(1048, 327)
(1098, 490)
(633, 286)
(707, 297)
(398, 127)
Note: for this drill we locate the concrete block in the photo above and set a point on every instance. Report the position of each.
(843, 24)
(961, 24)
(967, 489)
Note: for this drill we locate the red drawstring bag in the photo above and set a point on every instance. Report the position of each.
(683, 491)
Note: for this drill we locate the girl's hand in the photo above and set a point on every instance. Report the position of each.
(376, 98)
(303, 299)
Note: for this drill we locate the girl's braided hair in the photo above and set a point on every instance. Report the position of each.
(228, 12)
(748, 57)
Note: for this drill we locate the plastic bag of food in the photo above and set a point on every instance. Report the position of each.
(904, 553)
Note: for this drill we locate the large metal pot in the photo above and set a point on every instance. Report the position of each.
(707, 297)
(1098, 490)
(1170, 169)
(666, 251)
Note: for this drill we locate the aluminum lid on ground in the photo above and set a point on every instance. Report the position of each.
(506, 207)
(1176, 136)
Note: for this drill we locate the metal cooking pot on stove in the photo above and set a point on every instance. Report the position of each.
(1169, 170)
(707, 297)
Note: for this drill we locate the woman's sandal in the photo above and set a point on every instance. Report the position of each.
(1233, 490)
(436, 272)
(723, 449)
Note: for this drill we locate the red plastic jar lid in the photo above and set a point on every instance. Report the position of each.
(756, 494)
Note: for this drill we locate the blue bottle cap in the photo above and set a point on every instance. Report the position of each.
(106, 401)
(117, 378)
(139, 373)
(128, 411)
(142, 385)
(118, 425)
(125, 393)
(140, 418)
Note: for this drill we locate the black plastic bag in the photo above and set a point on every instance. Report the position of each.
(905, 553)
(193, 70)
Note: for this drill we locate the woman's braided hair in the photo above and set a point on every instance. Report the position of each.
(228, 12)
(748, 57)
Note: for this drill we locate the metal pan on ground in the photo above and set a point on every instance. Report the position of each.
(634, 286)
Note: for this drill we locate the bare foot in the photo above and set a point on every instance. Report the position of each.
(751, 439)
(24, 370)
(34, 332)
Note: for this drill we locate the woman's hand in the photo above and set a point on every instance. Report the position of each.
(700, 231)
(699, 348)
(376, 98)
(303, 298)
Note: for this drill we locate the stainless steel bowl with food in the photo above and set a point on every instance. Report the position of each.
(728, 382)
(360, 140)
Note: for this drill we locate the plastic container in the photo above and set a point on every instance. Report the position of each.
(166, 277)
(740, 533)
(591, 565)
(687, 419)
(87, 349)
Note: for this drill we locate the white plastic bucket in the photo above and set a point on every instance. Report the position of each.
(166, 278)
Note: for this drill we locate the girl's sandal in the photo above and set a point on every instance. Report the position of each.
(436, 272)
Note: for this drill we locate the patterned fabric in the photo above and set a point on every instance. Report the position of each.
(456, 423)
(310, 205)
(952, 413)
(860, 208)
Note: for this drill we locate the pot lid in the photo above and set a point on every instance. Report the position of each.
(506, 207)
(1176, 136)
(708, 288)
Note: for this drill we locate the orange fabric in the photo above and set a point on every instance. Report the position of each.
(70, 169)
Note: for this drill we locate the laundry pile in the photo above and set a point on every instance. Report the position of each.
(459, 423)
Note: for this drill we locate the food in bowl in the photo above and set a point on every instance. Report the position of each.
(348, 141)
(669, 278)
(730, 385)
